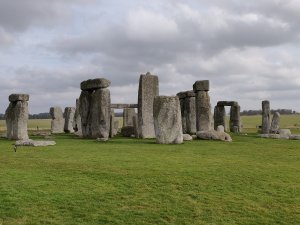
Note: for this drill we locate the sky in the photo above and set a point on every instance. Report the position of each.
(249, 50)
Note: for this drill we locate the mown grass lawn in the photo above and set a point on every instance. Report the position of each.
(131, 181)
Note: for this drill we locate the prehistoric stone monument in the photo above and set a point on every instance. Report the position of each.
(188, 111)
(203, 107)
(57, 122)
(167, 120)
(112, 131)
(266, 117)
(17, 117)
(148, 89)
(220, 116)
(94, 108)
(275, 123)
(77, 120)
(129, 129)
(69, 119)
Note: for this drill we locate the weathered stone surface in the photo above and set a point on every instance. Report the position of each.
(69, 118)
(18, 97)
(203, 111)
(33, 143)
(285, 133)
(214, 135)
(190, 110)
(194, 136)
(282, 134)
(123, 106)
(295, 137)
(100, 113)
(235, 119)
(84, 111)
(272, 136)
(266, 115)
(127, 131)
(183, 114)
(116, 127)
(220, 128)
(275, 123)
(58, 121)
(187, 137)
(16, 120)
(227, 103)
(136, 126)
(128, 116)
(93, 84)
(201, 85)
(148, 89)
(186, 94)
(102, 139)
(112, 121)
(167, 120)
(77, 120)
(219, 117)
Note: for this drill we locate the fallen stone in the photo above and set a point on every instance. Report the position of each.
(102, 139)
(194, 136)
(94, 84)
(33, 143)
(295, 137)
(18, 97)
(187, 137)
(285, 133)
(214, 135)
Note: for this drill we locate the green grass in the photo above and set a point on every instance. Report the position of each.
(130, 181)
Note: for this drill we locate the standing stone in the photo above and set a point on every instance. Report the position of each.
(181, 96)
(275, 123)
(203, 107)
(266, 115)
(188, 111)
(77, 120)
(219, 117)
(136, 126)
(148, 89)
(94, 108)
(69, 118)
(112, 121)
(116, 127)
(58, 121)
(128, 116)
(100, 113)
(167, 120)
(235, 119)
(17, 117)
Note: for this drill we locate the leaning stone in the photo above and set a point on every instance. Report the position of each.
(167, 120)
(18, 97)
(275, 123)
(187, 137)
(220, 128)
(94, 84)
(148, 89)
(214, 135)
(33, 143)
(201, 85)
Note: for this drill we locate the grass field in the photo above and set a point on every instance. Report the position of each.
(133, 181)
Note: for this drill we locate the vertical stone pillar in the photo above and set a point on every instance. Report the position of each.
(69, 119)
(266, 117)
(148, 89)
(182, 96)
(17, 117)
(235, 119)
(128, 116)
(58, 121)
(167, 120)
(188, 111)
(203, 107)
(219, 117)
(112, 121)
(275, 123)
(77, 120)
(94, 108)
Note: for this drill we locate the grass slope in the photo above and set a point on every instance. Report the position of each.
(129, 181)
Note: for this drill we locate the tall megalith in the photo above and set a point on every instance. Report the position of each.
(57, 120)
(148, 89)
(17, 117)
(266, 117)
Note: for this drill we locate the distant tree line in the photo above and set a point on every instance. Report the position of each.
(258, 112)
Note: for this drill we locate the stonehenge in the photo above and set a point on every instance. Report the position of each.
(16, 116)
(77, 120)
(275, 123)
(69, 119)
(203, 107)
(266, 116)
(57, 120)
(94, 108)
(167, 120)
(148, 90)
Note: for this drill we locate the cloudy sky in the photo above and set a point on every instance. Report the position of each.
(249, 50)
